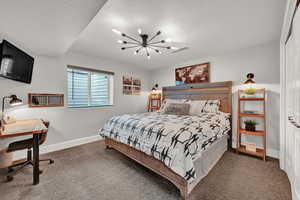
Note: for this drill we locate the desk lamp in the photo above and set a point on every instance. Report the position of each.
(14, 101)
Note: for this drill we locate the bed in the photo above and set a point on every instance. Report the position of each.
(167, 144)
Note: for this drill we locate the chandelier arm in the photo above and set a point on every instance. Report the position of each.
(133, 43)
(158, 42)
(154, 36)
(154, 49)
(148, 54)
(157, 46)
(138, 50)
(131, 38)
(131, 47)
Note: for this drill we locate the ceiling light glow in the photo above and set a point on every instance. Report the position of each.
(117, 31)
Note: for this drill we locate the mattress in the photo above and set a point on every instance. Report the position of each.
(208, 160)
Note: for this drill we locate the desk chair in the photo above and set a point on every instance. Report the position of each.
(26, 144)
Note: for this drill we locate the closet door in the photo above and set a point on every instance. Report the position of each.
(293, 106)
(296, 84)
(290, 62)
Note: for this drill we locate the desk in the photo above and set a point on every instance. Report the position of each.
(35, 134)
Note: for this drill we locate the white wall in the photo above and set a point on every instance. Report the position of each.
(261, 60)
(50, 76)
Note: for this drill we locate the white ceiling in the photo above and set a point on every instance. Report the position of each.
(208, 27)
(46, 27)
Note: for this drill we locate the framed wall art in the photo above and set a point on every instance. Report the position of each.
(131, 86)
(193, 74)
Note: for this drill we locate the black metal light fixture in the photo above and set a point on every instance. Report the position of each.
(144, 43)
(14, 101)
(155, 87)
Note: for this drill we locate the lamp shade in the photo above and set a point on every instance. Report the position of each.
(15, 100)
(249, 80)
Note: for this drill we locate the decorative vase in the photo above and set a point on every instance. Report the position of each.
(250, 91)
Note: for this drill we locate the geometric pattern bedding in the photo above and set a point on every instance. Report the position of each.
(176, 140)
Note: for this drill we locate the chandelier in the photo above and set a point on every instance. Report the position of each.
(144, 43)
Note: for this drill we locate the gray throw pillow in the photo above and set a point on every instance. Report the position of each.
(177, 109)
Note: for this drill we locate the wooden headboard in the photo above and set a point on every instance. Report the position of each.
(202, 91)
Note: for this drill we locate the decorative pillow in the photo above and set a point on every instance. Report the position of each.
(168, 101)
(196, 106)
(211, 106)
(177, 109)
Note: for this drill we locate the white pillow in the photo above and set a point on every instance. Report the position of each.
(211, 106)
(196, 106)
(199, 106)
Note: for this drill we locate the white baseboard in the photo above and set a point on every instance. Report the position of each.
(273, 153)
(297, 195)
(59, 146)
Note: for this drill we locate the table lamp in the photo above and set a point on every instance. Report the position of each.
(250, 90)
(14, 101)
(154, 89)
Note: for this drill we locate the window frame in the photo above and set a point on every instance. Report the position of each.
(90, 71)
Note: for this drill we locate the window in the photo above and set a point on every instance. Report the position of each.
(88, 87)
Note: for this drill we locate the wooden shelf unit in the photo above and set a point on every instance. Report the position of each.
(258, 152)
(154, 102)
(251, 99)
(260, 133)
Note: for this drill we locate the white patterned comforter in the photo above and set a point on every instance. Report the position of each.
(173, 139)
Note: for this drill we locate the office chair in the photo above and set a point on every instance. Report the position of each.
(26, 144)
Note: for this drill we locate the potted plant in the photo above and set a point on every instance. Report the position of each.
(250, 125)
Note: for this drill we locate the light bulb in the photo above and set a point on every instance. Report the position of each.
(140, 31)
(116, 31)
(148, 57)
(120, 41)
(174, 48)
(168, 40)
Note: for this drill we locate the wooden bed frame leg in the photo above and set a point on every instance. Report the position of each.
(107, 144)
(183, 193)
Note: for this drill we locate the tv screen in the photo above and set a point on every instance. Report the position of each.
(15, 63)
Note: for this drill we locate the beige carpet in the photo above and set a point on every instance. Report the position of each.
(90, 172)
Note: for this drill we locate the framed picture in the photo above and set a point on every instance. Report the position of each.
(127, 80)
(136, 90)
(136, 82)
(192, 74)
(131, 86)
(127, 89)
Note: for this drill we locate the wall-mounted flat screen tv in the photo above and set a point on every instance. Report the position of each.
(15, 63)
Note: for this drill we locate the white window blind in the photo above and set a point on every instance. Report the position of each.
(87, 88)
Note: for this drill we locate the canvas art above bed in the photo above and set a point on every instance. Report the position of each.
(192, 74)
